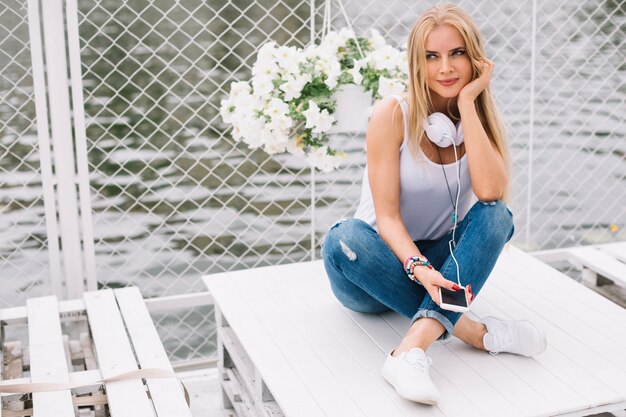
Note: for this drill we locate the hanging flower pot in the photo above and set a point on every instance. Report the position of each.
(298, 97)
(351, 109)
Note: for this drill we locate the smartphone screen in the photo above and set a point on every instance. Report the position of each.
(456, 298)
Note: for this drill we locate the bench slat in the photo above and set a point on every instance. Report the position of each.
(115, 356)
(167, 394)
(600, 262)
(457, 382)
(266, 353)
(617, 250)
(47, 357)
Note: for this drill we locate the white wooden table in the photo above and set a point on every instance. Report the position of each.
(124, 340)
(288, 347)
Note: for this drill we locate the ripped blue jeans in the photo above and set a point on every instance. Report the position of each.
(366, 276)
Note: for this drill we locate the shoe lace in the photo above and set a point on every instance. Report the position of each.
(419, 363)
(504, 339)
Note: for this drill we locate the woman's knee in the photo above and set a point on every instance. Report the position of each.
(497, 217)
(342, 237)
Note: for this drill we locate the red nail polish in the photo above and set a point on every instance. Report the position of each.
(469, 288)
(456, 287)
(472, 299)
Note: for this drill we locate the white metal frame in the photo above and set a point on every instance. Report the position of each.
(64, 117)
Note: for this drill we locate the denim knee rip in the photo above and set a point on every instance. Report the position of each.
(447, 324)
(488, 203)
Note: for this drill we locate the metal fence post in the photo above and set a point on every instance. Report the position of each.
(45, 157)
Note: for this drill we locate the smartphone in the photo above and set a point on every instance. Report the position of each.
(453, 300)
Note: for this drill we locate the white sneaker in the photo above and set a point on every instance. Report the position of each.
(408, 374)
(513, 336)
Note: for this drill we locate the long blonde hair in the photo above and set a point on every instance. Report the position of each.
(418, 96)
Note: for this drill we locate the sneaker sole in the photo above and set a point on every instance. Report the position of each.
(407, 397)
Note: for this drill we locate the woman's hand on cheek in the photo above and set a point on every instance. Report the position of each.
(477, 85)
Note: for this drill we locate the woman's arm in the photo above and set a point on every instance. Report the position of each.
(384, 137)
(486, 164)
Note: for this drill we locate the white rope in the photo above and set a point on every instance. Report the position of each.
(345, 16)
(327, 23)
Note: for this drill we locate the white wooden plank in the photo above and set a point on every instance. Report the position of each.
(543, 275)
(264, 352)
(562, 312)
(166, 393)
(332, 397)
(601, 263)
(616, 250)
(17, 315)
(47, 357)
(455, 380)
(350, 372)
(115, 356)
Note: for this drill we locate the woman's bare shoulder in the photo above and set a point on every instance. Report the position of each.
(386, 119)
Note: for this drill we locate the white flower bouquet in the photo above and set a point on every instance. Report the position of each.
(288, 105)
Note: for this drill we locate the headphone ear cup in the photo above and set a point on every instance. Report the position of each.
(460, 137)
(440, 130)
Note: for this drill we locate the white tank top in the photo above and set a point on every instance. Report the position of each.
(425, 203)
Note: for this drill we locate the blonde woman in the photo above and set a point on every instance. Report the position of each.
(428, 210)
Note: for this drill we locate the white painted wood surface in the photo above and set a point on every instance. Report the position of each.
(127, 398)
(617, 250)
(124, 337)
(599, 262)
(166, 393)
(47, 358)
(320, 359)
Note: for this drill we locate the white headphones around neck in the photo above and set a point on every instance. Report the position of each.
(442, 132)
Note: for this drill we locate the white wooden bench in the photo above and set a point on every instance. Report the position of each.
(287, 347)
(607, 261)
(86, 345)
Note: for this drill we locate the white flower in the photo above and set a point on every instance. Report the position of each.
(227, 109)
(345, 34)
(250, 130)
(321, 160)
(332, 69)
(386, 57)
(318, 121)
(388, 87)
(239, 87)
(295, 147)
(288, 59)
(262, 86)
(273, 141)
(356, 71)
(294, 85)
(377, 40)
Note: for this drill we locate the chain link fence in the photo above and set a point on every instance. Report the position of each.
(174, 197)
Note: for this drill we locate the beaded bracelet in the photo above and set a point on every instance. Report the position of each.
(410, 264)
